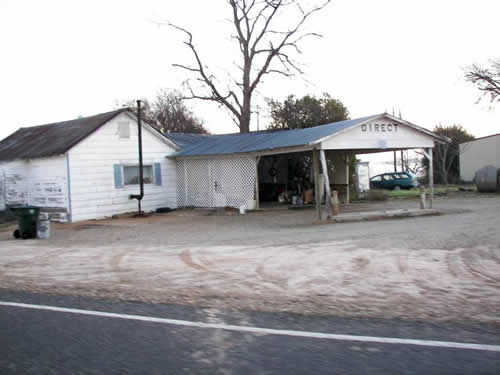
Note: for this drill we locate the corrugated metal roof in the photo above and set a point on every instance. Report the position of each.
(185, 139)
(51, 139)
(263, 141)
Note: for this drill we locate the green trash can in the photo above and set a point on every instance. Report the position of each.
(27, 217)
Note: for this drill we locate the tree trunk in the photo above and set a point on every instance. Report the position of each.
(260, 44)
(245, 123)
(444, 172)
(444, 177)
(245, 115)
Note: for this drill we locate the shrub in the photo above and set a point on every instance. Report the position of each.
(376, 195)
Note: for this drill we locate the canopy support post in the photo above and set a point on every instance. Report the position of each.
(431, 176)
(327, 183)
(317, 198)
(347, 192)
(257, 198)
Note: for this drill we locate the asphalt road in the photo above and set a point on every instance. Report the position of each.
(34, 341)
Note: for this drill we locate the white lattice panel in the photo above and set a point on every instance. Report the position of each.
(216, 182)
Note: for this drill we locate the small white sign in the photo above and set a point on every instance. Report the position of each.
(362, 177)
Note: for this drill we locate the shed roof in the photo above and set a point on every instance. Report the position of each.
(269, 140)
(52, 139)
(478, 139)
(185, 139)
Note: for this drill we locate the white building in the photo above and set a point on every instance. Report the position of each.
(236, 169)
(87, 168)
(477, 154)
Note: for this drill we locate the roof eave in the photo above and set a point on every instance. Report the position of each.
(439, 138)
(320, 140)
(270, 151)
(155, 132)
(77, 141)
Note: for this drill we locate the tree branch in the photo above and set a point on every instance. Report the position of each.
(216, 95)
(284, 42)
(253, 20)
(487, 81)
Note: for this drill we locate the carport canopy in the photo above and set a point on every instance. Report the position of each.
(371, 134)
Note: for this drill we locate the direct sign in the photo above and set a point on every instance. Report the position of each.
(380, 128)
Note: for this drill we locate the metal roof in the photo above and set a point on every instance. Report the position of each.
(478, 139)
(263, 141)
(185, 139)
(52, 139)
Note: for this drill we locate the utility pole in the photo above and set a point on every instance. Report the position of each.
(141, 171)
(257, 112)
(258, 117)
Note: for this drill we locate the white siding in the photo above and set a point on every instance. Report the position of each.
(15, 182)
(477, 154)
(39, 182)
(93, 191)
(2, 190)
(47, 182)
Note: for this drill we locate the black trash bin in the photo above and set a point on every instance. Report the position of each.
(27, 217)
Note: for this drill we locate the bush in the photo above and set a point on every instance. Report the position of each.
(376, 195)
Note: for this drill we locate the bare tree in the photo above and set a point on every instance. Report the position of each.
(168, 113)
(412, 162)
(487, 80)
(264, 50)
(446, 154)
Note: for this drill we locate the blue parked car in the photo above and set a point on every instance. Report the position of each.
(394, 180)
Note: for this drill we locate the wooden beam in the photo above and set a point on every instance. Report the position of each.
(431, 176)
(347, 193)
(327, 183)
(317, 198)
(257, 198)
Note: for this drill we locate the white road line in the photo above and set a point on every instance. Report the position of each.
(270, 331)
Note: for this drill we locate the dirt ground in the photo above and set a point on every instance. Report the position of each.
(443, 267)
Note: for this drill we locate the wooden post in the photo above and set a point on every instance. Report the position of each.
(431, 177)
(335, 203)
(257, 199)
(347, 192)
(327, 182)
(316, 183)
(185, 183)
(422, 197)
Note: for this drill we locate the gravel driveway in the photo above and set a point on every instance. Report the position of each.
(441, 267)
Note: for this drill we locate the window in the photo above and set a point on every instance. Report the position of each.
(124, 130)
(131, 174)
(387, 177)
(377, 178)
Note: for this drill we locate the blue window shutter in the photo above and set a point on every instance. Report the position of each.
(117, 169)
(157, 169)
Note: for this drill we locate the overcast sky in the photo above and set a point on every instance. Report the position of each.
(61, 59)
